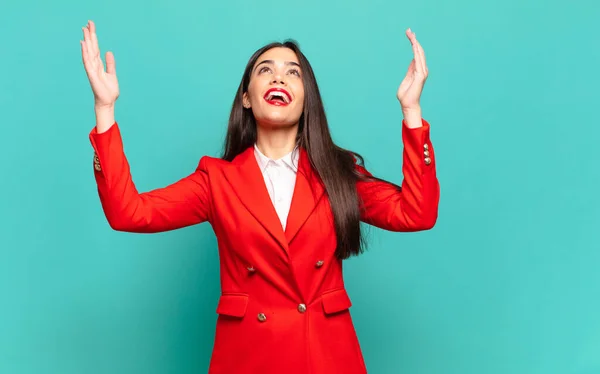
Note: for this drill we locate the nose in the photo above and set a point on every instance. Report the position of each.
(277, 78)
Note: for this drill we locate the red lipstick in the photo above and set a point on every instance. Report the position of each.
(278, 97)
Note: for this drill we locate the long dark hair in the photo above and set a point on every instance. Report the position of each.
(334, 166)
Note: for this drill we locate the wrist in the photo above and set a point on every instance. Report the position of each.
(104, 107)
(412, 117)
(105, 117)
(409, 110)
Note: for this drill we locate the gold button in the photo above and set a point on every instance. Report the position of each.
(426, 147)
(319, 263)
(302, 308)
(97, 162)
(426, 153)
(262, 317)
(427, 161)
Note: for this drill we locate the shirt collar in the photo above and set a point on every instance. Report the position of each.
(290, 159)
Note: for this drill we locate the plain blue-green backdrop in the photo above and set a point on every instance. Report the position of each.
(508, 282)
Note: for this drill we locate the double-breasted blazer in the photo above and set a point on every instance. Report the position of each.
(283, 308)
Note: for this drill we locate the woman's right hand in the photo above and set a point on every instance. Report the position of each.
(104, 82)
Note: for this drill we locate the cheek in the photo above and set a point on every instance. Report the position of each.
(299, 106)
(299, 95)
(255, 87)
(300, 103)
(252, 95)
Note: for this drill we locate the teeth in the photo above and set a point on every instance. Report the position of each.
(278, 94)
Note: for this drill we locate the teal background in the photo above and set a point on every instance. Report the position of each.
(507, 282)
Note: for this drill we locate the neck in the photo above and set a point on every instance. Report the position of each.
(276, 142)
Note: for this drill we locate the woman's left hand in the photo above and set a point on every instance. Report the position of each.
(409, 92)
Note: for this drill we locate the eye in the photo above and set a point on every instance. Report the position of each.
(295, 72)
(263, 69)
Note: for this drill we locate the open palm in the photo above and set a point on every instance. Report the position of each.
(409, 92)
(104, 83)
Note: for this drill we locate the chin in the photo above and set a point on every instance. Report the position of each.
(278, 124)
(277, 119)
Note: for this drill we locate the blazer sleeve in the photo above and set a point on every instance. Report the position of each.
(183, 203)
(413, 206)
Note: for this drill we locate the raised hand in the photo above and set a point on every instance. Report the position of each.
(103, 82)
(409, 92)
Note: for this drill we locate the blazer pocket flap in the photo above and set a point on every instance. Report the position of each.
(233, 305)
(335, 301)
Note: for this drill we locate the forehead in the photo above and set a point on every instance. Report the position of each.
(278, 55)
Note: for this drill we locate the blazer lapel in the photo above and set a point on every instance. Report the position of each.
(248, 183)
(307, 193)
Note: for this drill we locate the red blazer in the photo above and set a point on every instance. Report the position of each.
(283, 308)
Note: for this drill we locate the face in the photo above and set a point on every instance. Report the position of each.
(275, 91)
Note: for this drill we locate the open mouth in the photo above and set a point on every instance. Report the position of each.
(278, 97)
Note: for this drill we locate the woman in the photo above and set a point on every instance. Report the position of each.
(285, 204)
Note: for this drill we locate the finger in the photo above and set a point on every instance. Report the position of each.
(422, 58)
(84, 54)
(416, 54)
(89, 70)
(88, 42)
(408, 33)
(411, 67)
(94, 36)
(421, 66)
(83, 30)
(110, 63)
(409, 77)
(85, 51)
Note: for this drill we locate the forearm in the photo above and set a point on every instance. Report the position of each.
(119, 197)
(412, 117)
(105, 118)
(177, 205)
(414, 207)
(420, 187)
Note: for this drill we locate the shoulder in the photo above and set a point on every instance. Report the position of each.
(207, 163)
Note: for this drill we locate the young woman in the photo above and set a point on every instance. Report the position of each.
(285, 204)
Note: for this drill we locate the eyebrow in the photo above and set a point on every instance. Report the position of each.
(272, 62)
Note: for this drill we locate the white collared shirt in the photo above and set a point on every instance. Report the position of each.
(280, 179)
